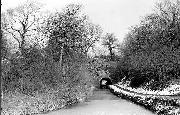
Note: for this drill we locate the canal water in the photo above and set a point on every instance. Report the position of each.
(102, 102)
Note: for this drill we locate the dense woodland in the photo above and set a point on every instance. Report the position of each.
(151, 50)
(45, 57)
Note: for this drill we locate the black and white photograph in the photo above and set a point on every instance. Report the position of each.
(90, 57)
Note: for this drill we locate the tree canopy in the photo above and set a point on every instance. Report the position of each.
(154, 44)
(71, 32)
(109, 41)
(19, 23)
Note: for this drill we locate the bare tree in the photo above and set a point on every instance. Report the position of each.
(109, 41)
(20, 22)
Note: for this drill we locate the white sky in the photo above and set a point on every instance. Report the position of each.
(114, 16)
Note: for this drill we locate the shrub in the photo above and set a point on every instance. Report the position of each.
(40, 80)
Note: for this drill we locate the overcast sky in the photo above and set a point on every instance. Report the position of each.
(114, 16)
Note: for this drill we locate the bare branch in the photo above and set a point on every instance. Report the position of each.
(34, 19)
(14, 36)
(16, 30)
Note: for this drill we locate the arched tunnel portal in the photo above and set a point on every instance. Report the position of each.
(104, 82)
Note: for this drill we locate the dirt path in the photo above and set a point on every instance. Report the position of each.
(103, 103)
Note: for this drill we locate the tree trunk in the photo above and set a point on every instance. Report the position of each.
(111, 53)
(60, 63)
(22, 45)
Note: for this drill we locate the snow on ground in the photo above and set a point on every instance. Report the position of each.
(171, 90)
(116, 89)
(160, 106)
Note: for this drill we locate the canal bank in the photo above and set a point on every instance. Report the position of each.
(158, 104)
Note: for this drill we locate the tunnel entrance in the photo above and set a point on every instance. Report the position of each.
(104, 82)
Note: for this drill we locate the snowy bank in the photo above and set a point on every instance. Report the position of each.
(157, 104)
(173, 89)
